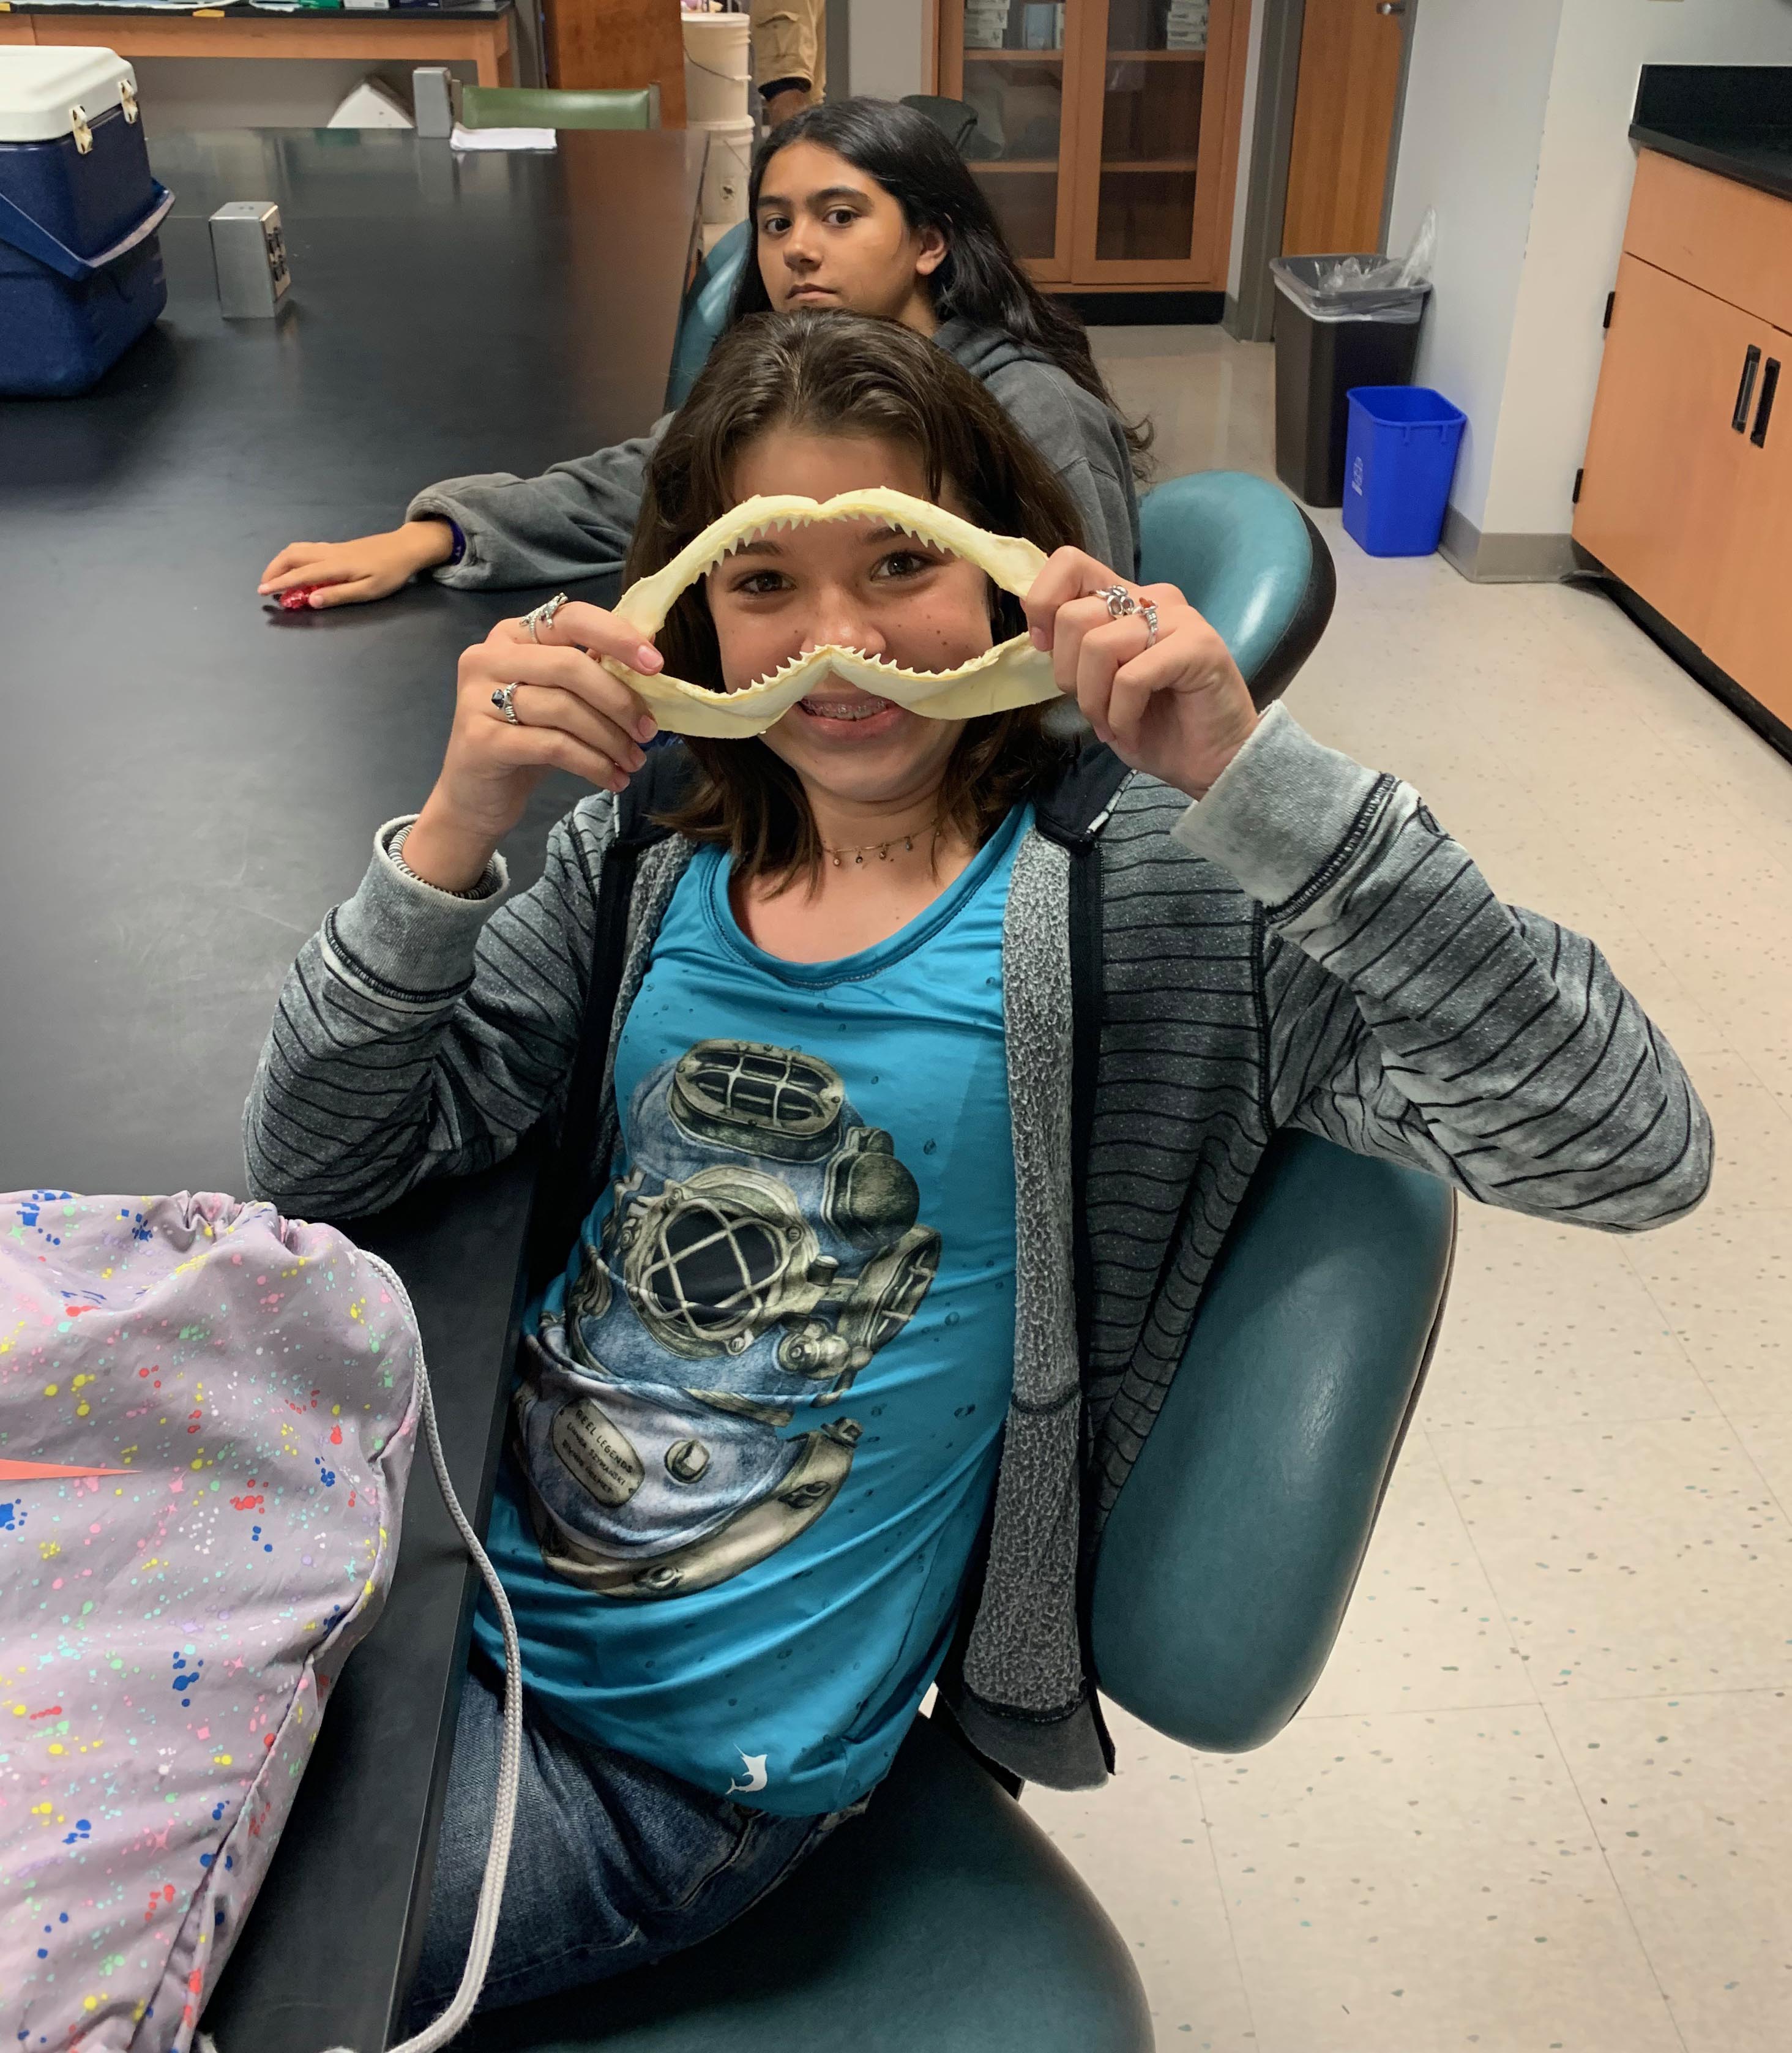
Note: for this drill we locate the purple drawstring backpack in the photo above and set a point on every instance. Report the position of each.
(207, 1417)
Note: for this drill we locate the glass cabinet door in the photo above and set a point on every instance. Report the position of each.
(1152, 185)
(1004, 61)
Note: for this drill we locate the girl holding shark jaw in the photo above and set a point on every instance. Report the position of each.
(843, 1309)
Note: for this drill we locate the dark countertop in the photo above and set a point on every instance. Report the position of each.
(189, 780)
(1734, 119)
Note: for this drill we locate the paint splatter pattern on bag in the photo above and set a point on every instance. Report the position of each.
(207, 1414)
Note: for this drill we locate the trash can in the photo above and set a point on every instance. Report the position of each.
(1334, 330)
(1400, 456)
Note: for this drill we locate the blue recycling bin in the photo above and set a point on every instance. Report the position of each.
(1399, 457)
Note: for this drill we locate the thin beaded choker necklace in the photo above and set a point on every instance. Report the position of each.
(880, 849)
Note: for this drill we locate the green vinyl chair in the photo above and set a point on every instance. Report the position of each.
(1249, 561)
(705, 312)
(944, 1918)
(559, 106)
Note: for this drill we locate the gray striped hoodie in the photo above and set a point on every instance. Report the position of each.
(1306, 947)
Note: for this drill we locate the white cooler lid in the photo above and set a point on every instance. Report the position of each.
(38, 86)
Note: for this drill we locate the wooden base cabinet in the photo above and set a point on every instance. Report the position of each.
(1687, 494)
(1106, 132)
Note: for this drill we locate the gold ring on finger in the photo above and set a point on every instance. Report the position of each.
(501, 698)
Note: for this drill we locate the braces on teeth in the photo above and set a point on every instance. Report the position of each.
(1013, 673)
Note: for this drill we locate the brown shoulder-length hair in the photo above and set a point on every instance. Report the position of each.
(834, 374)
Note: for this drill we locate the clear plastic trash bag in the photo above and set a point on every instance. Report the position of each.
(1362, 287)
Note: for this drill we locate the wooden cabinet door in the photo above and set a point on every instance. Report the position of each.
(618, 43)
(1659, 501)
(1344, 102)
(1007, 60)
(1160, 84)
(1748, 630)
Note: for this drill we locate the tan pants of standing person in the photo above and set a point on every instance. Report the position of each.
(790, 54)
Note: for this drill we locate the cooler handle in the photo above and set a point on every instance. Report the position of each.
(17, 228)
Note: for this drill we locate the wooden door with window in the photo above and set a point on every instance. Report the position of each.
(1345, 101)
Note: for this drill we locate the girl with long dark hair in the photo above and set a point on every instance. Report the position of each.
(858, 206)
(866, 1275)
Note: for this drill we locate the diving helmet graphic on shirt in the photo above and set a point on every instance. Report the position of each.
(763, 1247)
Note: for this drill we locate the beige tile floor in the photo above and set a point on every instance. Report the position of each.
(1543, 1797)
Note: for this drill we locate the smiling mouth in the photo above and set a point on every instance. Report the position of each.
(865, 707)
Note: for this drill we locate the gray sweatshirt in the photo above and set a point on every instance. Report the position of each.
(575, 521)
(1306, 947)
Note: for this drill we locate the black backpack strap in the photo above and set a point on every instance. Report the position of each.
(569, 1183)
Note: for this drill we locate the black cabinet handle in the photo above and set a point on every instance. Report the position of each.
(1763, 419)
(1745, 391)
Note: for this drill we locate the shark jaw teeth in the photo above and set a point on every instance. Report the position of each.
(1011, 561)
(1014, 673)
(825, 517)
(881, 665)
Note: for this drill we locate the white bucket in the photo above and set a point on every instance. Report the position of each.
(715, 67)
(725, 175)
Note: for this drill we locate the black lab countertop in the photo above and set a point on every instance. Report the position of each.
(1734, 119)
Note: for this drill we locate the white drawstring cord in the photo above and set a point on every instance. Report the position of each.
(510, 1754)
(510, 1766)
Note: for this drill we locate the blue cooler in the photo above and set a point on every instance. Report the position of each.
(80, 268)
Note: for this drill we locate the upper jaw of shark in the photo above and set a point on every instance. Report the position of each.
(1013, 673)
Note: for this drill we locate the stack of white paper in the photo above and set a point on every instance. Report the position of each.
(502, 138)
(1186, 27)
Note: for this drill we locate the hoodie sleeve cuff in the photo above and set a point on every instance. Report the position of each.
(433, 506)
(1284, 814)
(399, 938)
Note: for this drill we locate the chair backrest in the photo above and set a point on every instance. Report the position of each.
(956, 120)
(543, 106)
(1231, 1551)
(704, 313)
(1249, 560)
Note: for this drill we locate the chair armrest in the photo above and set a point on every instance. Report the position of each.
(1230, 1555)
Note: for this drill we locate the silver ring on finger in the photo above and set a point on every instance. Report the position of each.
(501, 698)
(1120, 601)
(1148, 613)
(543, 615)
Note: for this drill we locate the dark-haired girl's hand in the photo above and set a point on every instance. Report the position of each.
(1176, 706)
(352, 573)
(570, 713)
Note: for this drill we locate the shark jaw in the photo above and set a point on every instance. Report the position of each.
(1014, 673)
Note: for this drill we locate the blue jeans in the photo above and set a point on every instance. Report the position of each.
(613, 1863)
